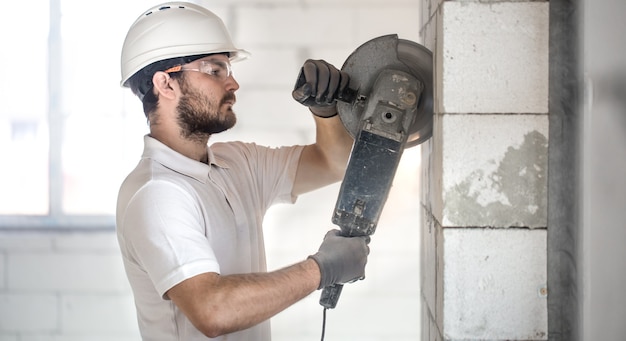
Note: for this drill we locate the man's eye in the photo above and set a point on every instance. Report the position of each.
(211, 69)
(217, 69)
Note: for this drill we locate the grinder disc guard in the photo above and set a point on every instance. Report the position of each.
(383, 53)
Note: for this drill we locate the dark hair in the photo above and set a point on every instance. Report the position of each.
(141, 82)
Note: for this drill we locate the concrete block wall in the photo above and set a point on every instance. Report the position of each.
(485, 172)
(70, 285)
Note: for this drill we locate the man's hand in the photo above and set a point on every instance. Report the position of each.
(341, 259)
(318, 86)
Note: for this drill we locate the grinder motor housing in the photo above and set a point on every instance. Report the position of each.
(389, 108)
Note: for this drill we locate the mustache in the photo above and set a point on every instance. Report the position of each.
(229, 97)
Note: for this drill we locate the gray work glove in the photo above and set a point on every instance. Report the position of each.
(341, 259)
(318, 86)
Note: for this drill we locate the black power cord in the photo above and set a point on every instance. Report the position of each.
(324, 323)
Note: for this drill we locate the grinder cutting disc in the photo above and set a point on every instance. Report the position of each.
(364, 66)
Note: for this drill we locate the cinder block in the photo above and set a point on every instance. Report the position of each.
(98, 314)
(494, 57)
(495, 284)
(82, 272)
(494, 170)
(28, 313)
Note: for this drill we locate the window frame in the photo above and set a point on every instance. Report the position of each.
(56, 219)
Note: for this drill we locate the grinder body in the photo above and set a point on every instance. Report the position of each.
(390, 108)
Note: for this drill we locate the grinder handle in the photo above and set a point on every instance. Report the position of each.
(348, 94)
(330, 296)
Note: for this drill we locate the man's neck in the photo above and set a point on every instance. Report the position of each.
(194, 148)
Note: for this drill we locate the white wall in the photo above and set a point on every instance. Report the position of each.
(70, 285)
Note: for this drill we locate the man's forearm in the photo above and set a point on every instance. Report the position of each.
(219, 305)
(324, 162)
(334, 141)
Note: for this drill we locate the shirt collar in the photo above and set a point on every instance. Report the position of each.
(159, 152)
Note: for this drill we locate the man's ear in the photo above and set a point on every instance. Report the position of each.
(162, 83)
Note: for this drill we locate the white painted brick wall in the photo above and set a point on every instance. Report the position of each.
(71, 286)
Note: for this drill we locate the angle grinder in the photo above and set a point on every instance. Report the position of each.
(387, 107)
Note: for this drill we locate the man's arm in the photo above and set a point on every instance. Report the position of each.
(218, 305)
(318, 86)
(325, 161)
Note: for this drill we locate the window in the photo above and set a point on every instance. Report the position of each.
(69, 133)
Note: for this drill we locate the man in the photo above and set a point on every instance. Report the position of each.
(189, 216)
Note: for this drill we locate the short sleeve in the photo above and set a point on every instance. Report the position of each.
(165, 236)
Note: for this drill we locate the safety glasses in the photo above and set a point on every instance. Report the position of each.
(218, 69)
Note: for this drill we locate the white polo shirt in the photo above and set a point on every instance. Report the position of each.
(177, 218)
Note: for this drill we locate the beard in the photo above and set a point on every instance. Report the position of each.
(199, 118)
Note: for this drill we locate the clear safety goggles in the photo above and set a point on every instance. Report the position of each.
(215, 68)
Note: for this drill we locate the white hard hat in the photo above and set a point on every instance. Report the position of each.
(174, 29)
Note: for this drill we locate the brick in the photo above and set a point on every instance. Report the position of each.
(82, 272)
(494, 170)
(98, 314)
(493, 284)
(28, 313)
(494, 57)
